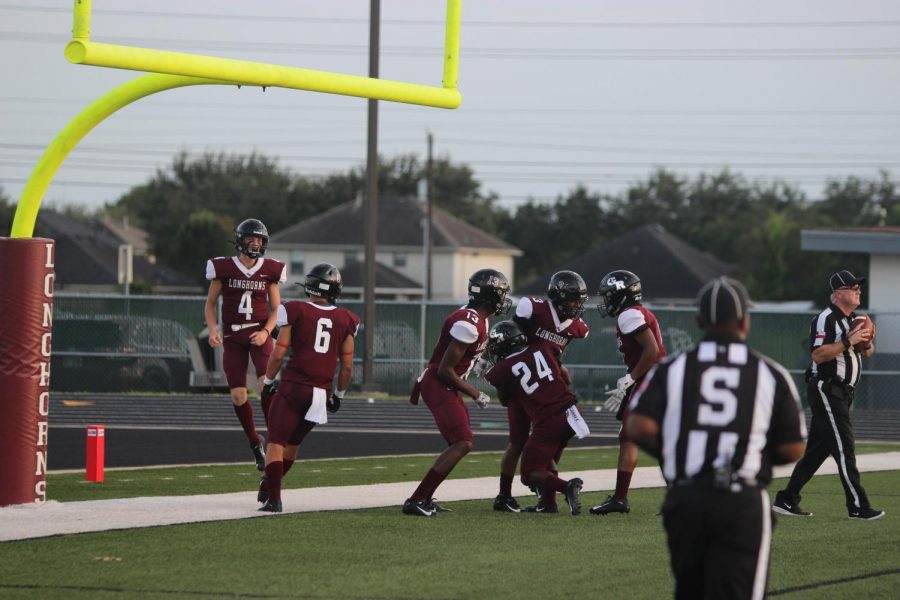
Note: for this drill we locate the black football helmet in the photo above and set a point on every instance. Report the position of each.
(251, 227)
(565, 287)
(505, 338)
(618, 290)
(490, 287)
(324, 281)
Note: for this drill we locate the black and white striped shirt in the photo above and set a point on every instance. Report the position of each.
(720, 403)
(830, 326)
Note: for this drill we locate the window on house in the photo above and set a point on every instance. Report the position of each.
(350, 258)
(297, 267)
(400, 259)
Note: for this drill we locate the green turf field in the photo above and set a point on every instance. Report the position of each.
(472, 552)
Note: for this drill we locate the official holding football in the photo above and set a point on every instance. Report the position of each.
(838, 347)
(717, 417)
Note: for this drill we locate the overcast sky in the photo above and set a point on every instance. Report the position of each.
(555, 93)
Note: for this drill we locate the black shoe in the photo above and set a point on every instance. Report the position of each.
(612, 505)
(783, 507)
(259, 455)
(419, 508)
(866, 514)
(573, 489)
(263, 494)
(504, 503)
(273, 506)
(437, 508)
(541, 507)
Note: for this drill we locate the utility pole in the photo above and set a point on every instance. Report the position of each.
(371, 204)
(429, 202)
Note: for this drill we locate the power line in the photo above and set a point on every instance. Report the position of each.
(468, 23)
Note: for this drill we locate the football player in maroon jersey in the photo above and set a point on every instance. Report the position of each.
(319, 335)
(640, 342)
(526, 373)
(553, 321)
(443, 383)
(248, 285)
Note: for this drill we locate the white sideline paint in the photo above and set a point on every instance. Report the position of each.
(26, 521)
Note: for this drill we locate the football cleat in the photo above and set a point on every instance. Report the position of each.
(503, 503)
(437, 508)
(572, 492)
(419, 508)
(259, 455)
(612, 505)
(540, 507)
(790, 509)
(263, 494)
(272, 506)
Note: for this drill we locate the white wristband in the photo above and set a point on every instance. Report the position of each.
(267, 381)
(339, 393)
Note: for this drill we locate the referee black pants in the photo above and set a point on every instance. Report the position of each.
(719, 542)
(830, 434)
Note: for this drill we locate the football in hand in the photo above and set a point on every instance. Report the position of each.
(863, 322)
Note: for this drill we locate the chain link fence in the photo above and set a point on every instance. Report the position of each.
(112, 343)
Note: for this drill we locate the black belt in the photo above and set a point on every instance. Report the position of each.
(709, 483)
(568, 405)
(837, 382)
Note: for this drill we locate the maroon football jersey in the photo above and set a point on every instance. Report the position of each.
(245, 291)
(533, 378)
(463, 325)
(537, 317)
(317, 333)
(629, 323)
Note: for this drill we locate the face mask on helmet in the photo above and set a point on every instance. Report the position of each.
(505, 338)
(490, 288)
(618, 291)
(245, 238)
(324, 281)
(568, 293)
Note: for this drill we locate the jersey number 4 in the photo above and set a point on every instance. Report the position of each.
(525, 375)
(245, 306)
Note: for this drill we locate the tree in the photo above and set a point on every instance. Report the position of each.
(7, 212)
(205, 234)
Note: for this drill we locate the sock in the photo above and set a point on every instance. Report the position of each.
(287, 466)
(623, 482)
(274, 473)
(244, 414)
(426, 489)
(506, 484)
(551, 494)
(554, 484)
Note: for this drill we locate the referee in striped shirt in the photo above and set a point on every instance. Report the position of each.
(717, 417)
(836, 365)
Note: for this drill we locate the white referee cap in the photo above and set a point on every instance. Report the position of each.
(723, 300)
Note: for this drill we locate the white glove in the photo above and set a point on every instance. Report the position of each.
(615, 399)
(481, 365)
(623, 383)
(617, 395)
(482, 400)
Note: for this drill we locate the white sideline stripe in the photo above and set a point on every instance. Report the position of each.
(26, 521)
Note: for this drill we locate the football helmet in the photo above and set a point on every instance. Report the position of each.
(324, 281)
(251, 227)
(618, 290)
(565, 288)
(490, 287)
(505, 338)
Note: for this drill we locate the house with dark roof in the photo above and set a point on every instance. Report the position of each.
(87, 256)
(671, 270)
(337, 236)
